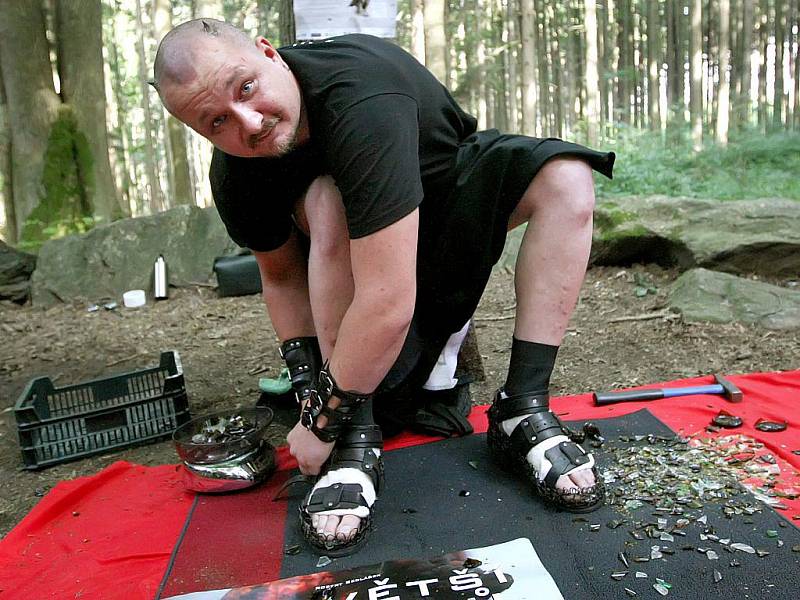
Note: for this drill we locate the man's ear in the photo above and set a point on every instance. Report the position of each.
(265, 47)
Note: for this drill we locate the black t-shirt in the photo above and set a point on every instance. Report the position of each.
(381, 125)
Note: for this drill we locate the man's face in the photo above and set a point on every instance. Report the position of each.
(244, 100)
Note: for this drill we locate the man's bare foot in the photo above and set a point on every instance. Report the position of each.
(342, 524)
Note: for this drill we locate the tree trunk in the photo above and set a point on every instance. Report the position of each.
(177, 157)
(605, 50)
(746, 46)
(763, 37)
(435, 40)
(155, 196)
(528, 37)
(79, 38)
(723, 93)
(479, 81)
(696, 70)
(510, 62)
(653, 46)
(499, 65)
(418, 31)
(286, 24)
(675, 60)
(796, 107)
(592, 77)
(780, 35)
(120, 138)
(556, 70)
(7, 189)
(32, 100)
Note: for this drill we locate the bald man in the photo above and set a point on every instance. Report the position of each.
(375, 212)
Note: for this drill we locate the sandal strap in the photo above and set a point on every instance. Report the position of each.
(563, 457)
(355, 449)
(336, 496)
(535, 429)
(303, 359)
(337, 417)
(520, 404)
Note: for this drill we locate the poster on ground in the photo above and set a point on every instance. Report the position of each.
(508, 571)
(318, 19)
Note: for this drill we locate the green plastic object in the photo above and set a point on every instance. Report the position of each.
(279, 385)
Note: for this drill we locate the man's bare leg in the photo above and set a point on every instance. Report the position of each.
(321, 215)
(551, 264)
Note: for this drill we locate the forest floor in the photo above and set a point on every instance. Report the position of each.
(226, 344)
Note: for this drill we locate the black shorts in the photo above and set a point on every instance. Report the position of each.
(462, 236)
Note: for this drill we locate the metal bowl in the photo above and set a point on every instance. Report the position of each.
(235, 463)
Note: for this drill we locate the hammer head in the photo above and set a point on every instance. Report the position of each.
(732, 393)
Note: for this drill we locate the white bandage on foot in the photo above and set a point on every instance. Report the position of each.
(349, 475)
(536, 457)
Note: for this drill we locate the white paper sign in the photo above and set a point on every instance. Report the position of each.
(317, 19)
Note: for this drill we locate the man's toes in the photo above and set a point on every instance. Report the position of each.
(322, 521)
(582, 479)
(329, 531)
(348, 527)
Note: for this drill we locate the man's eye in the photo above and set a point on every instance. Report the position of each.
(217, 122)
(247, 87)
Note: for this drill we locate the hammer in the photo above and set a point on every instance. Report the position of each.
(723, 387)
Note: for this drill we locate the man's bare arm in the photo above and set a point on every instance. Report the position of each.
(375, 325)
(284, 283)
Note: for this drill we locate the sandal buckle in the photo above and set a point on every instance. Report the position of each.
(573, 452)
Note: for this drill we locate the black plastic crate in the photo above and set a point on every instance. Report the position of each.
(56, 425)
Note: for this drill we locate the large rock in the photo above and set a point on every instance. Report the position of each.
(15, 273)
(703, 295)
(741, 236)
(113, 258)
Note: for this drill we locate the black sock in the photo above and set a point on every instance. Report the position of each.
(530, 367)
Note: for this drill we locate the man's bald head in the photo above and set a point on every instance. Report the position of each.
(177, 53)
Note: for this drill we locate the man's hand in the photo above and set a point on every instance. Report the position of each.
(310, 452)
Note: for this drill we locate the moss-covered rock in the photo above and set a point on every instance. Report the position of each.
(113, 258)
(745, 236)
(703, 295)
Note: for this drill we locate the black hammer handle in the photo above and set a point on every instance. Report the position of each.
(603, 398)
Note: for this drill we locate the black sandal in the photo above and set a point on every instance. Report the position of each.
(510, 451)
(355, 445)
(355, 449)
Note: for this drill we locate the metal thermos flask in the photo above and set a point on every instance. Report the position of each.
(160, 279)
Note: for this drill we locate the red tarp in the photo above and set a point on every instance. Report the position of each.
(111, 535)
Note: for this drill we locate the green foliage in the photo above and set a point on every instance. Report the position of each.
(751, 166)
(68, 186)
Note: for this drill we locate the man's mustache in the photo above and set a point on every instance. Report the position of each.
(267, 126)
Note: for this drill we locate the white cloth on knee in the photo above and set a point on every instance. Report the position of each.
(441, 377)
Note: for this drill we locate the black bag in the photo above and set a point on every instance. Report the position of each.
(237, 275)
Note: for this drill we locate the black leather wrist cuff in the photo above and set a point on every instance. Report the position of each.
(319, 396)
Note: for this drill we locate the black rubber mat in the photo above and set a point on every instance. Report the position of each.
(425, 511)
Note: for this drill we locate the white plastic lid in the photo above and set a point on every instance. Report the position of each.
(134, 298)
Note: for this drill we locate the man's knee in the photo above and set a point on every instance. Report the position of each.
(564, 185)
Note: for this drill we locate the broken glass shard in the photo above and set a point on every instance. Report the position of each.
(323, 561)
(727, 420)
(471, 563)
(770, 426)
